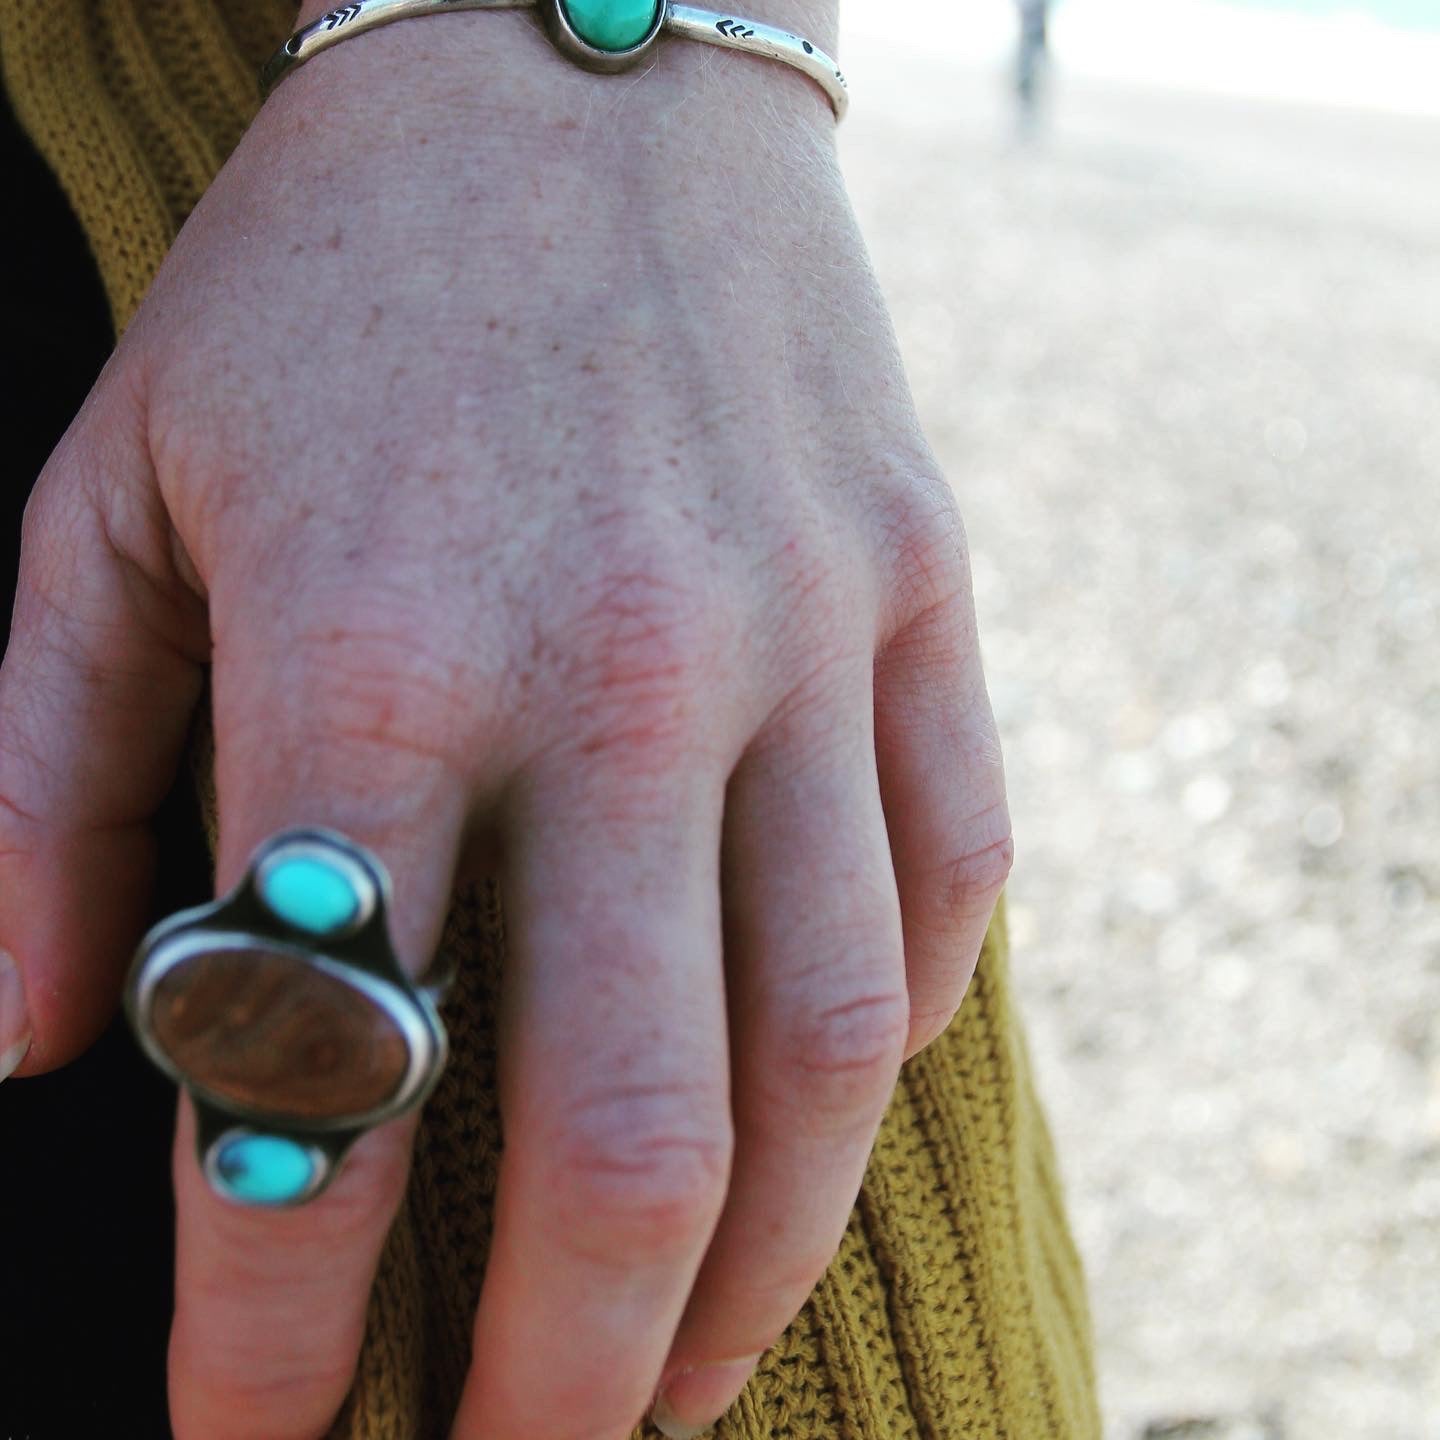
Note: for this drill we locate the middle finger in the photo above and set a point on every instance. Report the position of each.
(613, 1084)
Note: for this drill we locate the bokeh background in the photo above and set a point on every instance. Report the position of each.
(1176, 338)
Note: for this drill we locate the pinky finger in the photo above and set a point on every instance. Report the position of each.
(942, 781)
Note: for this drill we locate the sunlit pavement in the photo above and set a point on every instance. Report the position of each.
(1181, 359)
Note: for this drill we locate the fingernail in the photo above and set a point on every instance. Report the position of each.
(695, 1399)
(14, 1020)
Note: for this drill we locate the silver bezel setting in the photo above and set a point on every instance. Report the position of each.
(591, 57)
(359, 956)
(413, 1015)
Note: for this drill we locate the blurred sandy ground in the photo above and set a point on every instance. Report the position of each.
(1181, 358)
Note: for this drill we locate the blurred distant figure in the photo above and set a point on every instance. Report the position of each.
(1033, 55)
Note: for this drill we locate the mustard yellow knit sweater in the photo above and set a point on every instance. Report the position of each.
(956, 1308)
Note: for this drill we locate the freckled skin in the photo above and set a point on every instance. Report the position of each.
(528, 456)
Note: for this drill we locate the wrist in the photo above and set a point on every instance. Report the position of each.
(467, 131)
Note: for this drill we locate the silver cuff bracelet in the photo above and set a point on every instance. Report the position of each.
(603, 35)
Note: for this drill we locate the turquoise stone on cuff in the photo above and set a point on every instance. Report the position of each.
(611, 24)
(310, 894)
(264, 1169)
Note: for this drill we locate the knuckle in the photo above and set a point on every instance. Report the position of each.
(648, 646)
(656, 628)
(381, 687)
(42, 521)
(839, 1062)
(855, 1037)
(968, 885)
(56, 528)
(952, 896)
(98, 558)
(641, 1167)
(925, 543)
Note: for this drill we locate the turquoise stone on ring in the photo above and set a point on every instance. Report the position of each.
(264, 1169)
(611, 24)
(310, 894)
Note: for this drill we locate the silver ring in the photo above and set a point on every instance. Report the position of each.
(628, 48)
(285, 1013)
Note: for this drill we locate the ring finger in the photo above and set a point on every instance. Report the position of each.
(816, 975)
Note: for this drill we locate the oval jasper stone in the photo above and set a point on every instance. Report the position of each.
(611, 24)
(270, 1032)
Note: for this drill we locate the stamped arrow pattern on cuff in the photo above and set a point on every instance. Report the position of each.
(343, 15)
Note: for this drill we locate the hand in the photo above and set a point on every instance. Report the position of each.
(529, 457)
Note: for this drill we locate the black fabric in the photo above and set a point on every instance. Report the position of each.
(86, 1218)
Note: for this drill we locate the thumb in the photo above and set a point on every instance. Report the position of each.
(101, 674)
